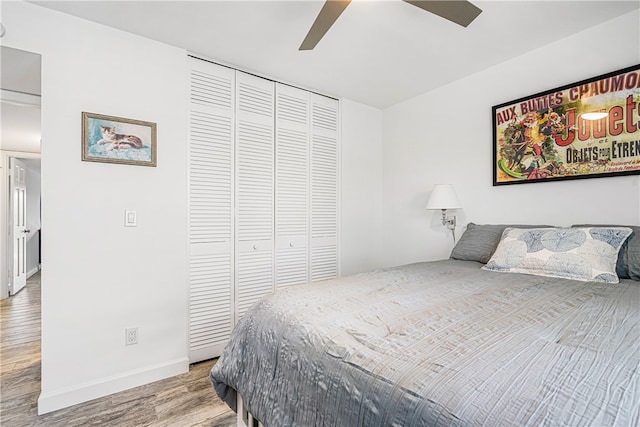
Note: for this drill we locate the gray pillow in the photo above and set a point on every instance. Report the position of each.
(479, 242)
(628, 266)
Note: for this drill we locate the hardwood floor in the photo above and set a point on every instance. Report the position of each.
(184, 400)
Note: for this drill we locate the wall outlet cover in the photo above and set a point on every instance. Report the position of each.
(131, 336)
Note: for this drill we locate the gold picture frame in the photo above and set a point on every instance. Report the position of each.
(111, 139)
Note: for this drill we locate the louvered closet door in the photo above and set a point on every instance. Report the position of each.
(324, 188)
(211, 149)
(254, 189)
(292, 186)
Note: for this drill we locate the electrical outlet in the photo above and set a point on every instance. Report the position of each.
(131, 336)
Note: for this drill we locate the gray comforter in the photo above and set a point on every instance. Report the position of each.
(439, 343)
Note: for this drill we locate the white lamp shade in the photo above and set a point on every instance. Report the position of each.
(443, 196)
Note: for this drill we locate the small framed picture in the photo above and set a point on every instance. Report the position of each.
(110, 139)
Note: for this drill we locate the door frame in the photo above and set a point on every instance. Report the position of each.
(7, 209)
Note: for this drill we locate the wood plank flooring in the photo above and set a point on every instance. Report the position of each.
(184, 400)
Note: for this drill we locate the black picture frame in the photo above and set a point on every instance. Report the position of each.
(546, 136)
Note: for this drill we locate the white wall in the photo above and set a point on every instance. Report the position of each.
(99, 277)
(20, 126)
(444, 136)
(33, 215)
(360, 188)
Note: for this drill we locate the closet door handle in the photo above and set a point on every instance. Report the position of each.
(291, 244)
(255, 247)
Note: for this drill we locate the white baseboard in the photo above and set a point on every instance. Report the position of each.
(33, 271)
(58, 399)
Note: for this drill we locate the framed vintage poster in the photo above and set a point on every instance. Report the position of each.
(586, 129)
(113, 139)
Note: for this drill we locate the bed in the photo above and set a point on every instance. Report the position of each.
(447, 342)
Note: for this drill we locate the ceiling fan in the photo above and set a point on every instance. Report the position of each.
(461, 12)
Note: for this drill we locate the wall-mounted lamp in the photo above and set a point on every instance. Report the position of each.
(444, 197)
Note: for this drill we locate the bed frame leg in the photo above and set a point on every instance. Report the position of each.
(244, 418)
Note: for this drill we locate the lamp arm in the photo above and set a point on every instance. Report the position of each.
(450, 222)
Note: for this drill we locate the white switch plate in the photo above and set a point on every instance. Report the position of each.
(130, 218)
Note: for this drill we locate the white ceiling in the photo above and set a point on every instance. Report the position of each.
(378, 52)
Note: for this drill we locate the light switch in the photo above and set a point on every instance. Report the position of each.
(130, 218)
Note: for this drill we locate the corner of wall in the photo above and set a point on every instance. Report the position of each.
(360, 187)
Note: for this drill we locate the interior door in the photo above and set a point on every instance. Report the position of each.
(19, 225)
(254, 190)
(292, 186)
(324, 188)
(211, 154)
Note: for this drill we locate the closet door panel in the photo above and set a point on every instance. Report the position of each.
(263, 196)
(324, 188)
(211, 152)
(292, 186)
(254, 275)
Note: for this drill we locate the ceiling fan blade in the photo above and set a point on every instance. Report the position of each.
(329, 13)
(459, 11)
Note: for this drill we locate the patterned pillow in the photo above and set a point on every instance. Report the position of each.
(588, 253)
(629, 257)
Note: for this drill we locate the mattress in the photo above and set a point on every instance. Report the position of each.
(438, 343)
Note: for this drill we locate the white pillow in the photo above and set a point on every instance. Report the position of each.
(584, 253)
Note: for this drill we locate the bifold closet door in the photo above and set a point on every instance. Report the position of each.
(292, 186)
(211, 196)
(324, 188)
(254, 276)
